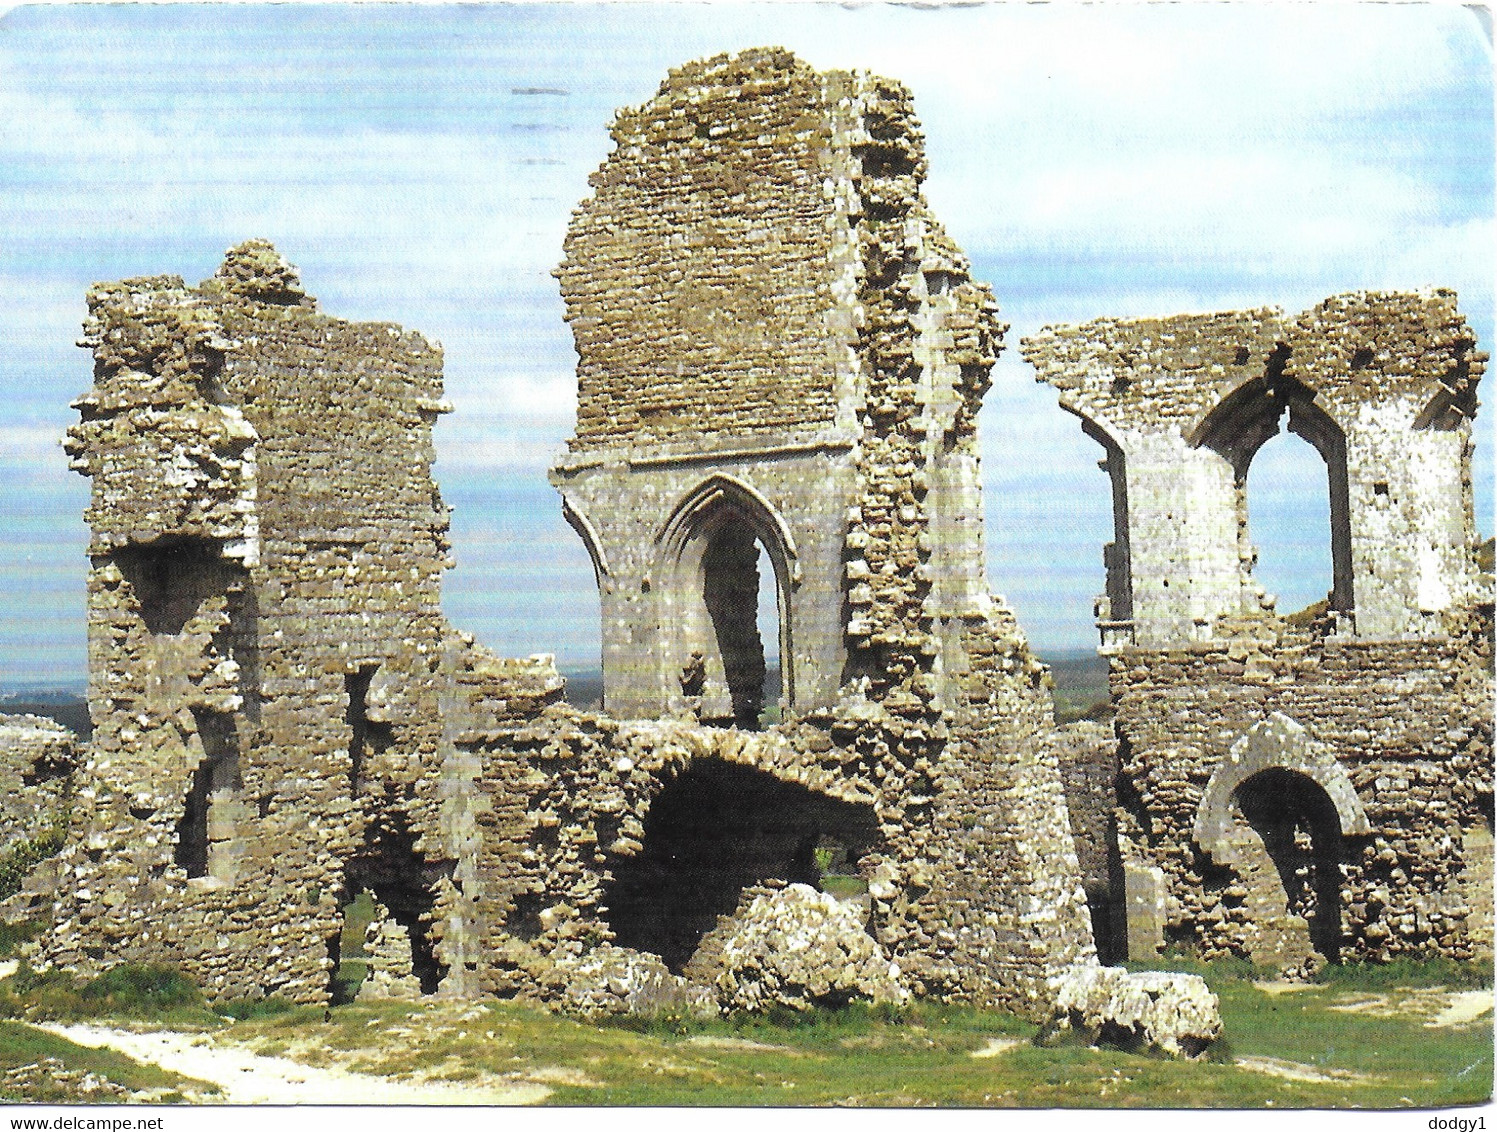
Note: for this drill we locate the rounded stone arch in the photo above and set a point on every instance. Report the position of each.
(1275, 743)
(1238, 425)
(708, 544)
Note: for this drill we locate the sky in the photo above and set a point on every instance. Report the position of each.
(419, 164)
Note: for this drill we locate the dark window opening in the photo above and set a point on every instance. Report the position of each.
(207, 834)
(170, 581)
(714, 831)
(366, 736)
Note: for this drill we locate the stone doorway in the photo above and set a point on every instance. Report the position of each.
(1288, 855)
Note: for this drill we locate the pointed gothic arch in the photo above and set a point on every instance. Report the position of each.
(1247, 418)
(706, 584)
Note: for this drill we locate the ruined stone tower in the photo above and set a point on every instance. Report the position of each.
(780, 348)
(273, 687)
(1305, 785)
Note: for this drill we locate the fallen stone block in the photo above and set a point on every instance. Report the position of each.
(1174, 1013)
(796, 947)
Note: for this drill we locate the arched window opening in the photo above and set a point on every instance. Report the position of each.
(731, 589)
(1289, 517)
(1290, 853)
(768, 623)
(723, 606)
(1294, 534)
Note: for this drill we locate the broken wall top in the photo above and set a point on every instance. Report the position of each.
(1354, 349)
(213, 408)
(712, 279)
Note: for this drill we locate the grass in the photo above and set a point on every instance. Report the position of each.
(921, 1055)
(353, 963)
(1377, 1054)
(135, 991)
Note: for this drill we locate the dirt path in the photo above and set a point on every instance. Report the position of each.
(1465, 1007)
(248, 1078)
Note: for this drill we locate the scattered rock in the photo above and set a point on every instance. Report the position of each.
(795, 947)
(1148, 1010)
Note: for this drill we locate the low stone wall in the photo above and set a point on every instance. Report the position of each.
(1395, 735)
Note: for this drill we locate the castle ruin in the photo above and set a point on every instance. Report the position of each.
(782, 358)
(1294, 788)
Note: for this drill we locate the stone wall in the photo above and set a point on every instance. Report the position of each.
(1382, 384)
(268, 661)
(696, 275)
(1405, 725)
(903, 673)
(1319, 785)
(780, 348)
(37, 760)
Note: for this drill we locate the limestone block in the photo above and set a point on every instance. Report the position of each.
(794, 947)
(1146, 1010)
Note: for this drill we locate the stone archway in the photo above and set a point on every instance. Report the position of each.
(1277, 811)
(713, 656)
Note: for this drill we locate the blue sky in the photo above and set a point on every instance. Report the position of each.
(420, 163)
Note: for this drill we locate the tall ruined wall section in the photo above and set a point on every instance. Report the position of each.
(759, 269)
(1319, 785)
(979, 886)
(697, 280)
(268, 661)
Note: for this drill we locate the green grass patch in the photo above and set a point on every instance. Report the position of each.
(248, 1009)
(1432, 972)
(146, 991)
(922, 1054)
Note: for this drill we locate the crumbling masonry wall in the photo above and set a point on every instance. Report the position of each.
(778, 342)
(38, 758)
(268, 663)
(1308, 786)
(782, 361)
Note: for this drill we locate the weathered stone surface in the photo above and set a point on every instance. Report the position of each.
(1315, 786)
(275, 691)
(616, 980)
(782, 357)
(38, 758)
(1174, 1013)
(780, 346)
(796, 947)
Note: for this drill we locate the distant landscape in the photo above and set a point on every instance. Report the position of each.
(1080, 692)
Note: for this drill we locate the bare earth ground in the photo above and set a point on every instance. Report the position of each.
(249, 1078)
